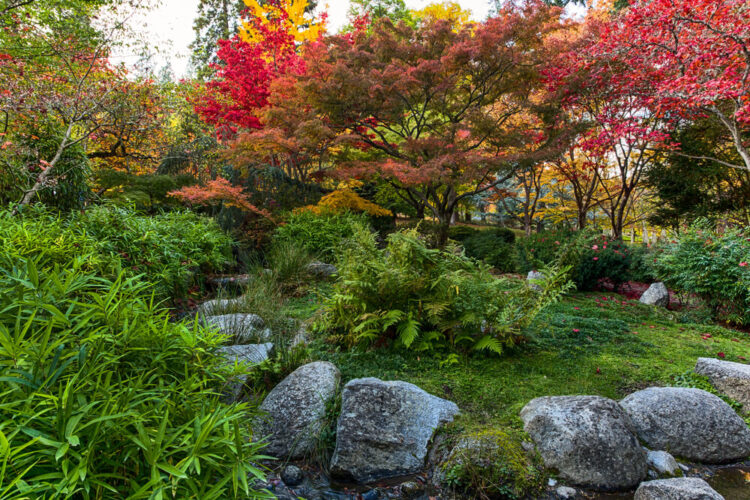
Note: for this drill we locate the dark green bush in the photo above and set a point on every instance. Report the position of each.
(713, 266)
(493, 246)
(603, 258)
(540, 249)
(319, 234)
(416, 297)
(102, 396)
(460, 233)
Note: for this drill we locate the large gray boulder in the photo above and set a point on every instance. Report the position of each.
(588, 439)
(385, 428)
(729, 378)
(690, 423)
(296, 409)
(242, 328)
(683, 488)
(656, 295)
(249, 354)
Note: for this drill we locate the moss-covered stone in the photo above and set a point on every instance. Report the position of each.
(493, 464)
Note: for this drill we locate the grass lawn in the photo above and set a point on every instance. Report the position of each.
(601, 344)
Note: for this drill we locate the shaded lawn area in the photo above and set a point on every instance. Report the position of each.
(598, 344)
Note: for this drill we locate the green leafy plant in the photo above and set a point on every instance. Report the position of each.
(713, 266)
(493, 246)
(319, 234)
(540, 249)
(102, 396)
(420, 298)
(603, 258)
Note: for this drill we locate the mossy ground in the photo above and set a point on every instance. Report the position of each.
(602, 344)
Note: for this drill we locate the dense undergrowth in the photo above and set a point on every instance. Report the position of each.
(101, 394)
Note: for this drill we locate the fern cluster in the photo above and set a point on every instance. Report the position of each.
(416, 297)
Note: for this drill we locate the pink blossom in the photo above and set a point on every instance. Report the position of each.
(595, 247)
(743, 264)
(596, 258)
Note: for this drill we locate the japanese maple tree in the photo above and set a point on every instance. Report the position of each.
(694, 56)
(444, 112)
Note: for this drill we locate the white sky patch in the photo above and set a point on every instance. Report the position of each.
(169, 28)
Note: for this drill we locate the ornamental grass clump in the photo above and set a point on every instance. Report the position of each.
(412, 296)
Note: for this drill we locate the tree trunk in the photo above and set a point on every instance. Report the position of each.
(43, 177)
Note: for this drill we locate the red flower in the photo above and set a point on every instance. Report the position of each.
(720, 354)
(596, 258)
(743, 264)
(576, 330)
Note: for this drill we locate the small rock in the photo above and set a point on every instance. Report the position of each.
(292, 475)
(534, 276)
(656, 295)
(566, 492)
(385, 428)
(296, 410)
(663, 463)
(690, 423)
(551, 482)
(321, 269)
(683, 488)
(588, 439)
(242, 328)
(239, 281)
(220, 306)
(411, 489)
(248, 354)
(729, 378)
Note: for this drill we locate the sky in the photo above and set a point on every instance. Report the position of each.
(169, 27)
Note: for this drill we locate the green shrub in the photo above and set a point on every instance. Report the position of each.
(102, 396)
(460, 233)
(602, 258)
(319, 234)
(493, 246)
(171, 250)
(713, 266)
(493, 464)
(541, 249)
(422, 298)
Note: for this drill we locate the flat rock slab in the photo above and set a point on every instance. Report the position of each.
(689, 423)
(656, 295)
(242, 328)
(248, 354)
(588, 439)
(219, 306)
(385, 428)
(296, 410)
(729, 378)
(684, 488)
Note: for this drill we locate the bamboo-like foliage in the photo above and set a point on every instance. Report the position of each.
(102, 396)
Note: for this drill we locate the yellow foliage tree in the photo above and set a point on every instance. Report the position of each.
(299, 23)
(447, 10)
(342, 200)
